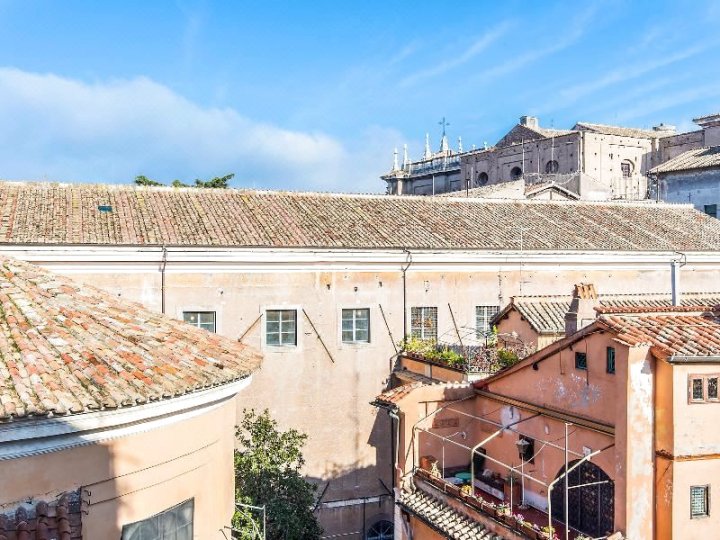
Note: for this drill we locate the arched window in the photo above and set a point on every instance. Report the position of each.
(552, 166)
(515, 173)
(381, 530)
(482, 179)
(591, 501)
(627, 168)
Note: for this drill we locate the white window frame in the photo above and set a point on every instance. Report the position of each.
(298, 316)
(340, 326)
(422, 328)
(127, 529)
(704, 377)
(195, 309)
(706, 489)
(478, 334)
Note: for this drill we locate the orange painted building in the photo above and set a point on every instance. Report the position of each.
(624, 404)
(115, 422)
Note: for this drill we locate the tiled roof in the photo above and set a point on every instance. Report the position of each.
(59, 520)
(546, 314)
(444, 518)
(621, 131)
(699, 158)
(67, 348)
(672, 334)
(504, 190)
(44, 213)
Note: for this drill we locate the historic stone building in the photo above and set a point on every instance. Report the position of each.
(326, 285)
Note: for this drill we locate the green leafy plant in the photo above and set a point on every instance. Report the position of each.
(267, 473)
(141, 180)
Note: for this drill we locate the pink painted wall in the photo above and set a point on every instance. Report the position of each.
(135, 477)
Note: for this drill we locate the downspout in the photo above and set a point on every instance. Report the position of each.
(394, 443)
(408, 261)
(675, 277)
(162, 279)
(563, 475)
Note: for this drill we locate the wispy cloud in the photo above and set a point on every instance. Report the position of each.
(629, 72)
(65, 129)
(471, 52)
(669, 100)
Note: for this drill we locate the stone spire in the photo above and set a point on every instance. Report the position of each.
(427, 154)
(395, 160)
(406, 159)
(444, 146)
(460, 145)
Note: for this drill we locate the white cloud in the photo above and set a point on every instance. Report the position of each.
(110, 131)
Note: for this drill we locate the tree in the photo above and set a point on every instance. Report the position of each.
(178, 183)
(267, 472)
(216, 182)
(141, 180)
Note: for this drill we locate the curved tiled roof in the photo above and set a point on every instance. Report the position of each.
(444, 518)
(67, 349)
(73, 214)
(622, 131)
(699, 158)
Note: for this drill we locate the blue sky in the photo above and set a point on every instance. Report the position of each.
(315, 95)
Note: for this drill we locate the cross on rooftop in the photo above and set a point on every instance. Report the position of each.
(444, 123)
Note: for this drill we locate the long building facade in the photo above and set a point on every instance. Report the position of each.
(326, 286)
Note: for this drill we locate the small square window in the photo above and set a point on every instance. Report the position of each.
(175, 522)
(711, 210)
(699, 501)
(610, 359)
(201, 319)
(712, 388)
(423, 322)
(356, 325)
(281, 327)
(483, 316)
(580, 360)
(697, 390)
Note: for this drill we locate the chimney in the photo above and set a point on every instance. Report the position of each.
(529, 121)
(582, 308)
(675, 282)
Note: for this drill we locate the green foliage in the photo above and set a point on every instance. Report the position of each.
(216, 182)
(177, 183)
(428, 349)
(506, 358)
(141, 180)
(267, 472)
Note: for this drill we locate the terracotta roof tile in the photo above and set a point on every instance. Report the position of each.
(674, 334)
(38, 520)
(44, 213)
(546, 314)
(67, 348)
(444, 518)
(699, 158)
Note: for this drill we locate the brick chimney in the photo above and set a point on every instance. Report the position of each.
(581, 312)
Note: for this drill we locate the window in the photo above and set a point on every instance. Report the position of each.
(356, 325)
(627, 168)
(423, 322)
(483, 316)
(281, 327)
(711, 210)
(580, 360)
(610, 360)
(201, 319)
(175, 523)
(515, 173)
(482, 179)
(552, 167)
(703, 388)
(699, 501)
(382, 530)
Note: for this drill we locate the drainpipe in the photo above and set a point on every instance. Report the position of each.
(675, 277)
(162, 279)
(394, 443)
(563, 475)
(408, 261)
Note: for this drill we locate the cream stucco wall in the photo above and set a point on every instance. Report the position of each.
(132, 478)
